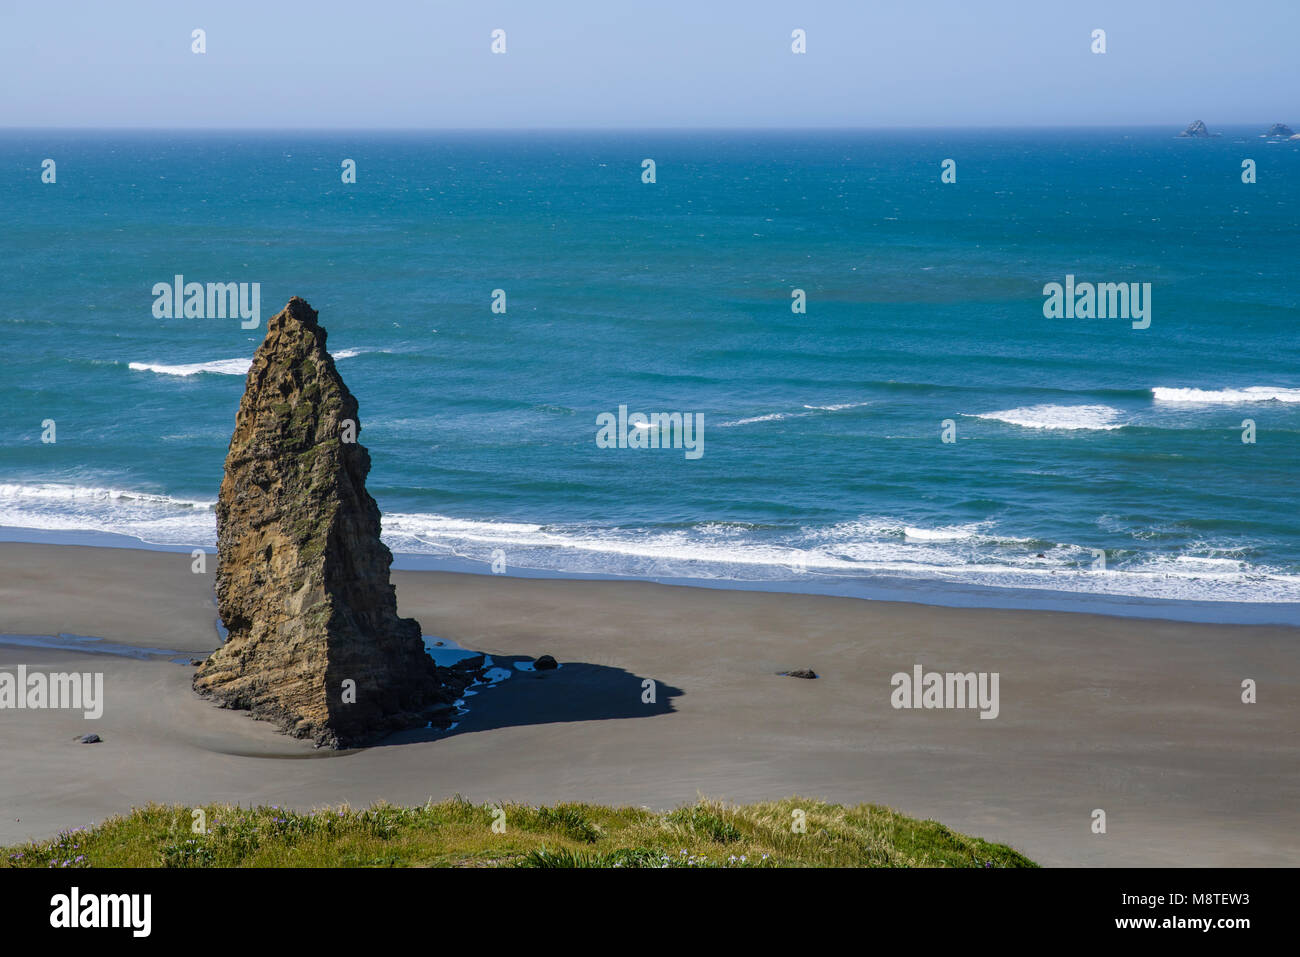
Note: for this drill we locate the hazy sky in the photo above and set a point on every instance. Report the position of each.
(647, 63)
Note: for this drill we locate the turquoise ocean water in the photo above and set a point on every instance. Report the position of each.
(823, 465)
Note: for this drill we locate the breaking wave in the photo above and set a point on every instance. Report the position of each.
(217, 366)
(1255, 393)
(1096, 417)
(872, 548)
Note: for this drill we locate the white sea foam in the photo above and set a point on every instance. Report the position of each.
(951, 534)
(874, 546)
(972, 554)
(778, 416)
(770, 417)
(837, 408)
(1211, 564)
(51, 492)
(1255, 393)
(156, 519)
(217, 366)
(1059, 417)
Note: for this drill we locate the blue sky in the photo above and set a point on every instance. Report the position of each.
(659, 63)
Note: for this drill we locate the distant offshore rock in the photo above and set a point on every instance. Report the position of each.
(1281, 129)
(1196, 128)
(315, 643)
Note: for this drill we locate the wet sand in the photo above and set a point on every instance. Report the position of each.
(1140, 718)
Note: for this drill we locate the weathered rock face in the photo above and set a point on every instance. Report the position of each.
(1196, 128)
(1280, 129)
(302, 577)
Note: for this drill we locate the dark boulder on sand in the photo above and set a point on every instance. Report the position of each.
(798, 673)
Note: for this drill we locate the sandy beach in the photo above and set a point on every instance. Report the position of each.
(1140, 718)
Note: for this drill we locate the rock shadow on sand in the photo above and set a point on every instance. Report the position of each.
(575, 691)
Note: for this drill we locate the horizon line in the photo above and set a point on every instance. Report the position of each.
(614, 129)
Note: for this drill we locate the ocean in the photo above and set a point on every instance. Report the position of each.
(824, 466)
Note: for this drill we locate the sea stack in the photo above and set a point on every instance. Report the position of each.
(315, 643)
(1195, 128)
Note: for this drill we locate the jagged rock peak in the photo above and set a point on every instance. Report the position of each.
(315, 642)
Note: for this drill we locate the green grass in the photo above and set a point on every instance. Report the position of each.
(457, 833)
